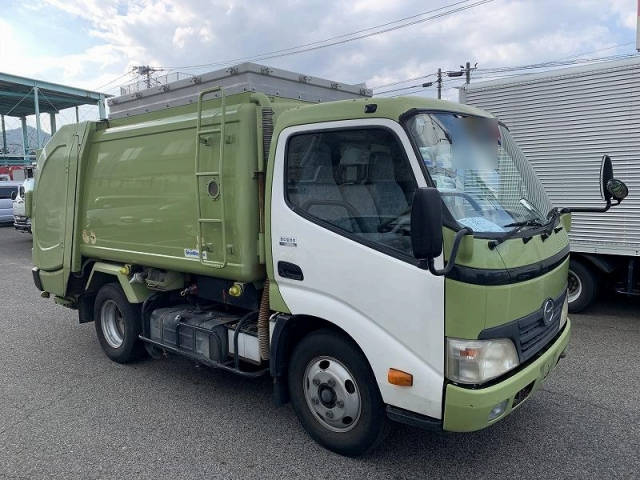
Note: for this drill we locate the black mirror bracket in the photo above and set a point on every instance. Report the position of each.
(589, 209)
(452, 256)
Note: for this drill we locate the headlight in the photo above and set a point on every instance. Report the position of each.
(565, 311)
(478, 361)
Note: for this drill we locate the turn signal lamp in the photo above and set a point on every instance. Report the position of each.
(400, 378)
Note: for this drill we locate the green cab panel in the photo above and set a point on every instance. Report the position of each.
(472, 307)
(467, 409)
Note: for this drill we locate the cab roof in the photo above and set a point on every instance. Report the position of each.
(391, 108)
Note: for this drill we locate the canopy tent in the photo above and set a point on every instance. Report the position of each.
(21, 97)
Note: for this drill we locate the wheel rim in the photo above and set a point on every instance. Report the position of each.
(332, 394)
(112, 324)
(574, 286)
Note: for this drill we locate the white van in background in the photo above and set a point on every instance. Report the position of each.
(8, 191)
(20, 221)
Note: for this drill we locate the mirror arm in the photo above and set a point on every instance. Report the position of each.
(452, 257)
(588, 209)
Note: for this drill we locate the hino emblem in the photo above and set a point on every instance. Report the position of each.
(547, 311)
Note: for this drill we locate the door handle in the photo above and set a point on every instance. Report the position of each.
(290, 270)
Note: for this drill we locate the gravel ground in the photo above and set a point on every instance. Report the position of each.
(66, 411)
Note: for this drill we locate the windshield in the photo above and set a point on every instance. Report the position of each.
(483, 177)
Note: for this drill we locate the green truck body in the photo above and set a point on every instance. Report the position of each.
(126, 192)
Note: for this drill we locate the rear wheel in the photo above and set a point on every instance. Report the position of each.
(118, 324)
(582, 286)
(334, 393)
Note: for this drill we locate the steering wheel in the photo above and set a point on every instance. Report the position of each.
(400, 221)
(474, 203)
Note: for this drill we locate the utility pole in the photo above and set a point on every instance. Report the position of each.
(146, 71)
(467, 73)
(439, 83)
(638, 29)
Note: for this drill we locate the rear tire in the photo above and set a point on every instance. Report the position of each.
(335, 394)
(582, 286)
(118, 324)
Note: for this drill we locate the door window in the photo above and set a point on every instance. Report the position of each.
(6, 192)
(357, 182)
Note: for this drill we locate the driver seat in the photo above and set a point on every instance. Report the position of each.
(388, 196)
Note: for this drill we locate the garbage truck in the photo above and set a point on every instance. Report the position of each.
(378, 258)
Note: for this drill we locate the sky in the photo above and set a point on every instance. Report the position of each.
(94, 43)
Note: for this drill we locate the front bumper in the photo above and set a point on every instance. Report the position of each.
(22, 223)
(467, 409)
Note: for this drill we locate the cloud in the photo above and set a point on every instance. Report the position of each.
(179, 33)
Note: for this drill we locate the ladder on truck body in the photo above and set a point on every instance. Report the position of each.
(203, 134)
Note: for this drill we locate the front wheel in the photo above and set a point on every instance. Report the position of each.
(118, 324)
(335, 394)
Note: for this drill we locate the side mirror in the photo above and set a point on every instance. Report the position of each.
(426, 231)
(606, 174)
(610, 187)
(617, 189)
(426, 224)
(14, 195)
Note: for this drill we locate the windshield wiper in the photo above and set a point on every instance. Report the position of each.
(532, 222)
(518, 227)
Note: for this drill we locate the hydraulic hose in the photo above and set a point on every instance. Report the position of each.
(263, 323)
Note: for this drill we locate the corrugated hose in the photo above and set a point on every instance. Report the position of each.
(263, 323)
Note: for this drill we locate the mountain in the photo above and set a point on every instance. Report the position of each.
(14, 139)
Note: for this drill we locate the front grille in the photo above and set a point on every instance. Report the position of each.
(533, 333)
(530, 333)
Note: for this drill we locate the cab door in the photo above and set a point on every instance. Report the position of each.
(341, 249)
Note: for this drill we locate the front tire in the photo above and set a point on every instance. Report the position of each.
(334, 393)
(582, 286)
(118, 324)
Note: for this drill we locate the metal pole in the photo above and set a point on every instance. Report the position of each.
(52, 121)
(77, 116)
(25, 137)
(36, 104)
(4, 136)
(101, 111)
(467, 71)
(638, 29)
(439, 83)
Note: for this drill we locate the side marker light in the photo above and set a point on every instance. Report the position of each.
(400, 378)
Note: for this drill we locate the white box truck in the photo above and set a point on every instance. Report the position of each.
(565, 120)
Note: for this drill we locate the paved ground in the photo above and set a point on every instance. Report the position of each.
(66, 411)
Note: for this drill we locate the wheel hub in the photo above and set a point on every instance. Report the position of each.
(332, 394)
(574, 286)
(327, 396)
(112, 324)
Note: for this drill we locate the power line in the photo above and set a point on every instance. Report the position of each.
(354, 36)
(128, 72)
(485, 72)
(555, 63)
(403, 81)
